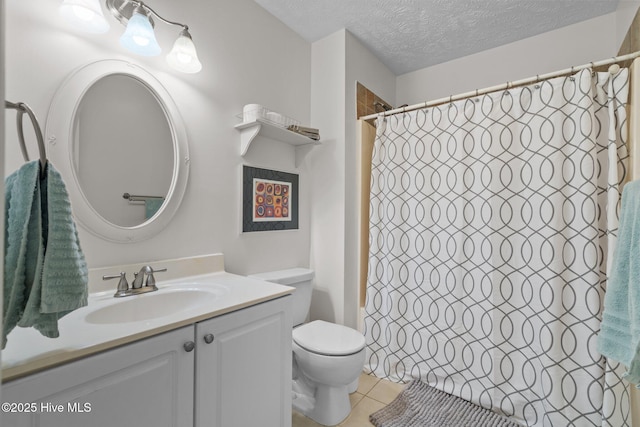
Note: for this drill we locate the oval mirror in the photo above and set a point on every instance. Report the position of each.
(117, 138)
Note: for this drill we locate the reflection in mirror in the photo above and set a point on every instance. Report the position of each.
(122, 143)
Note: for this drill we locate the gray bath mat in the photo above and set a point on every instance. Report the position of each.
(420, 405)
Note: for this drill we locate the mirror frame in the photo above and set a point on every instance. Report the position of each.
(59, 131)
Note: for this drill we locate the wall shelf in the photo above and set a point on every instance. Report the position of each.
(249, 131)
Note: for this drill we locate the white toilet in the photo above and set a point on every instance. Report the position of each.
(327, 358)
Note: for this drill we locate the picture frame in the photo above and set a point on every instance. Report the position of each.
(269, 200)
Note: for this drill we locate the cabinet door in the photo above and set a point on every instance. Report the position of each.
(243, 376)
(147, 383)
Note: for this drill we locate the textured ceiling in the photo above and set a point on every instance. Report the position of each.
(407, 35)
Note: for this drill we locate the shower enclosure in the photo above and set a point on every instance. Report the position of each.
(492, 222)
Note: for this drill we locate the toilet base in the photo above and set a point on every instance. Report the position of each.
(353, 387)
(302, 396)
(332, 405)
(326, 405)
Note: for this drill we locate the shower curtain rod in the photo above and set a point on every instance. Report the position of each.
(503, 86)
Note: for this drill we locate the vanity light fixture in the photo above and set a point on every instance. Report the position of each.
(139, 36)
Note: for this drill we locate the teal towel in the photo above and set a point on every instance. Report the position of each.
(23, 242)
(151, 206)
(619, 337)
(46, 273)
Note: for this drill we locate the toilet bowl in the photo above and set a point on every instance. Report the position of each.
(327, 358)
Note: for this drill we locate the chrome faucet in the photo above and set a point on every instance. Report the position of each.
(136, 286)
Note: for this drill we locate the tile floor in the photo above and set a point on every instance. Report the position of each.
(372, 394)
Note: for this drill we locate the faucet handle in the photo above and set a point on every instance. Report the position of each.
(123, 285)
(151, 281)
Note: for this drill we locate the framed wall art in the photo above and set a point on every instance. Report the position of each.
(269, 200)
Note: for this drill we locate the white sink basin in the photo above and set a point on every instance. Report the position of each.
(164, 302)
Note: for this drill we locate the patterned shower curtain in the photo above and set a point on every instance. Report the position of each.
(492, 222)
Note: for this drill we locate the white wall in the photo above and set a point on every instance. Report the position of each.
(625, 13)
(327, 162)
(576, 44)
(338, 62)
(248, 56)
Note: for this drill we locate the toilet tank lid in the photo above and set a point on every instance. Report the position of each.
(286, 277)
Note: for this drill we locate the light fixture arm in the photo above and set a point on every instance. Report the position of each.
(138, 3)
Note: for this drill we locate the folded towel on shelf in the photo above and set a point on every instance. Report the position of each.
(46, 273)
(619, 337)
(306, 129)
(308, 132)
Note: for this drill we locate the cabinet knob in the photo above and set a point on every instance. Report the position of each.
(208, 338)
(189, 346)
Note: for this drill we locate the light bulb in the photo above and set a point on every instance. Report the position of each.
(183, 57)
(85, 15)
(139, 36)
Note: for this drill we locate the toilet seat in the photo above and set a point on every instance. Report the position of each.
(328, 339)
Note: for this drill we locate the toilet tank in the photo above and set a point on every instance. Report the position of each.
(299, 278)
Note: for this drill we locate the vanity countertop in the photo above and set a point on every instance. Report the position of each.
(27, 351)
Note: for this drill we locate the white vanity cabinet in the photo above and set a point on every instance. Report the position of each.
(147, 383)
(241, 375)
